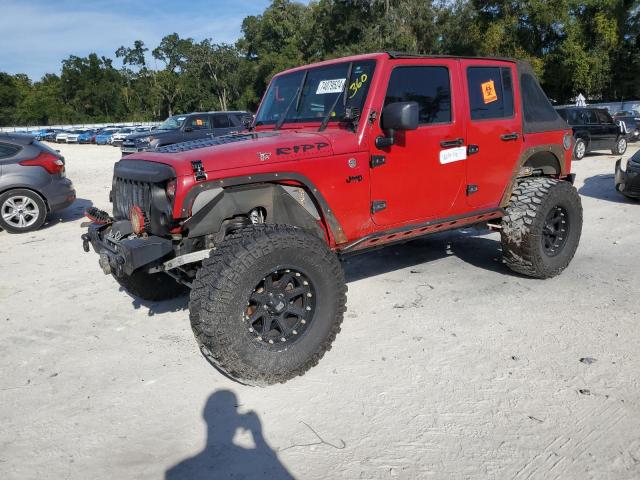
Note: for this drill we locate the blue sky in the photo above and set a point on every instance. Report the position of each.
(36, 35)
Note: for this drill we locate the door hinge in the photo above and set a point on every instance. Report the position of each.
(471, 189)
(471, 149)
(377, 161)
(378, 206)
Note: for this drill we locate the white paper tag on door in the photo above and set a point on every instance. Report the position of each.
(451, 155)
(331, 86)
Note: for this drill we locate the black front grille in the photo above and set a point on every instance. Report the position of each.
(127, 193)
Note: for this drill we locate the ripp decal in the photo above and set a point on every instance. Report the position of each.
(304, 148)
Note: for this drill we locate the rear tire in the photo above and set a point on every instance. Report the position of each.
(22, 211)
(620, 147)
(267, 304)
(152, 287)
(542, 228)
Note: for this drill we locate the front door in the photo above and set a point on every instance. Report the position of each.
(198, 126)
(494, 130)
(420, 176)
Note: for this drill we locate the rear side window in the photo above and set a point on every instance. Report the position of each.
(221, 121)
(603, 117)
(428, 86)
(537, 107)
(490, 92)
(7, 150)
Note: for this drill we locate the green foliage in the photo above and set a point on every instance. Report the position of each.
(590, 47)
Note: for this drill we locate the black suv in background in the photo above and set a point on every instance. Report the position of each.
(594, 129)
(182, 128)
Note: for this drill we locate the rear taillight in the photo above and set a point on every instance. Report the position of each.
(171, 190)
(49, 162)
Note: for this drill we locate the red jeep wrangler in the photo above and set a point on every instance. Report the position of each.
(343, 156)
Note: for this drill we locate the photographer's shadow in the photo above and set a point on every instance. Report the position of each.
(221, 457)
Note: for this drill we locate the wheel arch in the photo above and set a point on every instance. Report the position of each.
(287, 198)
(4, 190)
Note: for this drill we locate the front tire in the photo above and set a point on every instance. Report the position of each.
(579, 149)
(620, 147)
(542, 228)
(153, 287)
(268, 303)
(22, 211)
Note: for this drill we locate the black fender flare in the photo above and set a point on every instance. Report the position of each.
(261, 187)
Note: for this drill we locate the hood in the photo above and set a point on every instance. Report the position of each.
(153, 134)
(251, 149)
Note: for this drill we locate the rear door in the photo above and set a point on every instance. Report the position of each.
(222, 124)
(421, 175)
(494, 129)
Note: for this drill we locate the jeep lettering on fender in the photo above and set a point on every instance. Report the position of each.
(344, 156)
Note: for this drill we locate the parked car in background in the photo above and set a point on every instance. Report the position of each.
(118, 137)
(631, 126)
(88, 136)
(593, 129)
(61, 137)
(42, 133)
(182, 128)
(627, 178)
(74, 135)
(51, 135)
(626, 113)
(104, 137)
(33, 183)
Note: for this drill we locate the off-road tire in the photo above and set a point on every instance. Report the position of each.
(153, 287)
(522, 230)
(225, 282)
(579, 149)
(620, 147)
(33, 197)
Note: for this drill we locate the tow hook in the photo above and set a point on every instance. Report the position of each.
(85, 242)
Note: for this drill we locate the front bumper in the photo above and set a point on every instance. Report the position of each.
(628, 182)
(121, 252)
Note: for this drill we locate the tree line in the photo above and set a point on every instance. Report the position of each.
(590, 47)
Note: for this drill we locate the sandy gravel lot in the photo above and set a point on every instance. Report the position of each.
(447, 366)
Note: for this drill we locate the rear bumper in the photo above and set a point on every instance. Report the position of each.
(628, 182)
(120, 252)
(59, 194)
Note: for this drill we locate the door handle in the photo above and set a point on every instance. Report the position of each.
(509, 136)
(452, 143)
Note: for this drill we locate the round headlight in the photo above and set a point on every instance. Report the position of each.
(137, 219)
(567, 141)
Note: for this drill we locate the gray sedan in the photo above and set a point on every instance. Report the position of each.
(33, 183)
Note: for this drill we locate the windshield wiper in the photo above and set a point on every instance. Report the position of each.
(295, 98)
(343, 95)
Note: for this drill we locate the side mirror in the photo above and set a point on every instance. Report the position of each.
(188, 129)
(397, 116)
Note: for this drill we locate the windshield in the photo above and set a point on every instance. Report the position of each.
(172, 123)
(320, 88)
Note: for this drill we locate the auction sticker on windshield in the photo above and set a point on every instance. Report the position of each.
(331, 86)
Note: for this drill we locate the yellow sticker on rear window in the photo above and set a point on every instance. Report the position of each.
(489, 92)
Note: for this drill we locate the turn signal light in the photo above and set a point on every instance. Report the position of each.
(136, 217)
(49, 162)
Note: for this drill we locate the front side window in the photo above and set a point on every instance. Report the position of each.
(201, 122)
(308, 95)
(591, 116)
(490, 92)
(428, 86)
